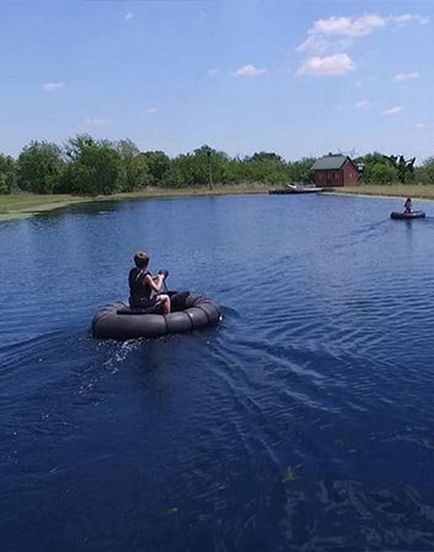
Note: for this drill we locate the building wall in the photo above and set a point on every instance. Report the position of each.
(347, 175)
(324, 179)
(350, 174)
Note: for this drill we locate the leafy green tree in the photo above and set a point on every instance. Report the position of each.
(40, 167)
(266, 167)
(425, 174)
(208, 166)
(127, 148)
(368, 161)
(137, 173)
(182, 171)
(266, 157)
(301, 171)
(374, 172)
(90, 166)
(205, 154)
(159, 167)
(7, 174)
(381, 173)
(404, 167)
(371, 158)
(202, 167)
(94, 167)
(235, 171)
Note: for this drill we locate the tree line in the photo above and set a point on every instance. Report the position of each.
(87, 166)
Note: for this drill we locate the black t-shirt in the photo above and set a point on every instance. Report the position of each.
(140, 292)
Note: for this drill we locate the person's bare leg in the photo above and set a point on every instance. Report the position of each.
(165, 302)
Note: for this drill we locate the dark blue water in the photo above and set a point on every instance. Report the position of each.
(305, 421)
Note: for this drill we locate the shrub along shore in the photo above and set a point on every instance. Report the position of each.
(46, 175)
(85, 166)
(24, 205)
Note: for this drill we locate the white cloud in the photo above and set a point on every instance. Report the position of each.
(408, 18)
(401, 77)
(212, 72)
(150, 110)
(349, 26)
(420, 125)
(249, 70)
(93, 122)
(327, 66)
(319, 44)
(363, 104)
(52, 86)
(128, 16)
(338, 33)
(393, 110)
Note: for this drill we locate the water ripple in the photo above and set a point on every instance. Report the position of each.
(303, 422)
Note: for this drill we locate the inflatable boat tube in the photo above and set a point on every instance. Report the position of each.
(118, 321)
(407, 216)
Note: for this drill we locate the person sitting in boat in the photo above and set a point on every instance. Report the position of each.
(145, 289)
(408, 206)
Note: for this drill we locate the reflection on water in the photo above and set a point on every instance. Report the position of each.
(303, 422)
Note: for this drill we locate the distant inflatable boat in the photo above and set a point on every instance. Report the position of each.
(190, 312)
(407, 216)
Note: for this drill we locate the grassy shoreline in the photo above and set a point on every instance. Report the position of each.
(425, 192)
(25, 205)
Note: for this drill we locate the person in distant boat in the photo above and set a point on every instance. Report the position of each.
(145, 289)
(408, 206)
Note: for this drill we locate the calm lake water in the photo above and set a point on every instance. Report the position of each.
(305, 421)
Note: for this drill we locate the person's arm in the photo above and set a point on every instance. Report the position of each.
(155, 283)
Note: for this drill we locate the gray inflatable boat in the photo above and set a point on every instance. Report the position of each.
(407, 216)
(119, 321)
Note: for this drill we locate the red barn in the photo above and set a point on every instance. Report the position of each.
(335, 170)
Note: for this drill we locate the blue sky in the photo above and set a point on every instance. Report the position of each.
(297, 77)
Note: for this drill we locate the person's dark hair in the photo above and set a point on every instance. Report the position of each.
(141, 259)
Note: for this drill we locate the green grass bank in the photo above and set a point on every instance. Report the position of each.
(24, 205)
(394, 190)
